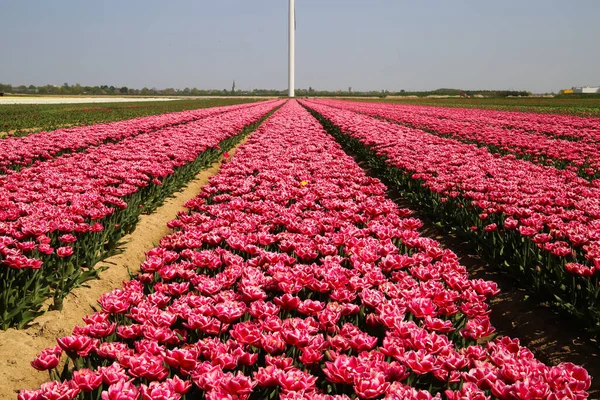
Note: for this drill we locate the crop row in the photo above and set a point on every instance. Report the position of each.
(293, 275)
(542, 223)
(19, 152)
(24, 119)
(582, 157)
(58, 218)
(557, 126)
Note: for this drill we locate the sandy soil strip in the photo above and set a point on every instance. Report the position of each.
(19, 347)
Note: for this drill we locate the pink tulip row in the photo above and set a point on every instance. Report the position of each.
(553, 207)
(560, 126)
(542, 223)
(65, 213)
(18, 152)
(293, 275)
(68, 194)
(579, 156)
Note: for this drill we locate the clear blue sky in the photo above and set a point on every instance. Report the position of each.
(537, 45)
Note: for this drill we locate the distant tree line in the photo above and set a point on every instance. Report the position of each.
(437, 92)
(77, 89)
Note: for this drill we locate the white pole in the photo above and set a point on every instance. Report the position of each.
(291, 48)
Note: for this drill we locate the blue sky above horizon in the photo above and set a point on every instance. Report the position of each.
(536, 45)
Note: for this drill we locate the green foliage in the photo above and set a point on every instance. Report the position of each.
(102, 90)
(22, 119)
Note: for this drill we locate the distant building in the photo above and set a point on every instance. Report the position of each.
(233, 87)
(586, 89)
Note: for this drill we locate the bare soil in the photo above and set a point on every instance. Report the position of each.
(19, 347)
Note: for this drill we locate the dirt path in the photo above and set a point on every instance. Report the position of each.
(19, 347)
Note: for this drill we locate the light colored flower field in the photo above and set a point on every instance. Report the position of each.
(75, 100)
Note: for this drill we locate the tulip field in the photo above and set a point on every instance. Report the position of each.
(24, 119)
(292, 274)
(563, 142)
(543, 221)
(62, 214)
(564, 105)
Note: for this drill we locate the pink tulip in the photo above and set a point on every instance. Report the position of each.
(56, 390)
(87, 380)
(47, 359)
(122, 390)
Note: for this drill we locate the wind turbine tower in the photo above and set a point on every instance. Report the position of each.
(291, 47)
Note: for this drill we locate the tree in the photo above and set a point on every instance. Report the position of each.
(77, 89)
(53, 89)
(124, 90)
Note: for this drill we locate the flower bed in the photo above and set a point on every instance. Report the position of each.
(581, 156)
(539, 222)
(19, 152)
(59, 218)
(566, 127)
(294, 276)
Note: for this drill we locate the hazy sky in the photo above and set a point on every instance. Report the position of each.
(537, 45)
